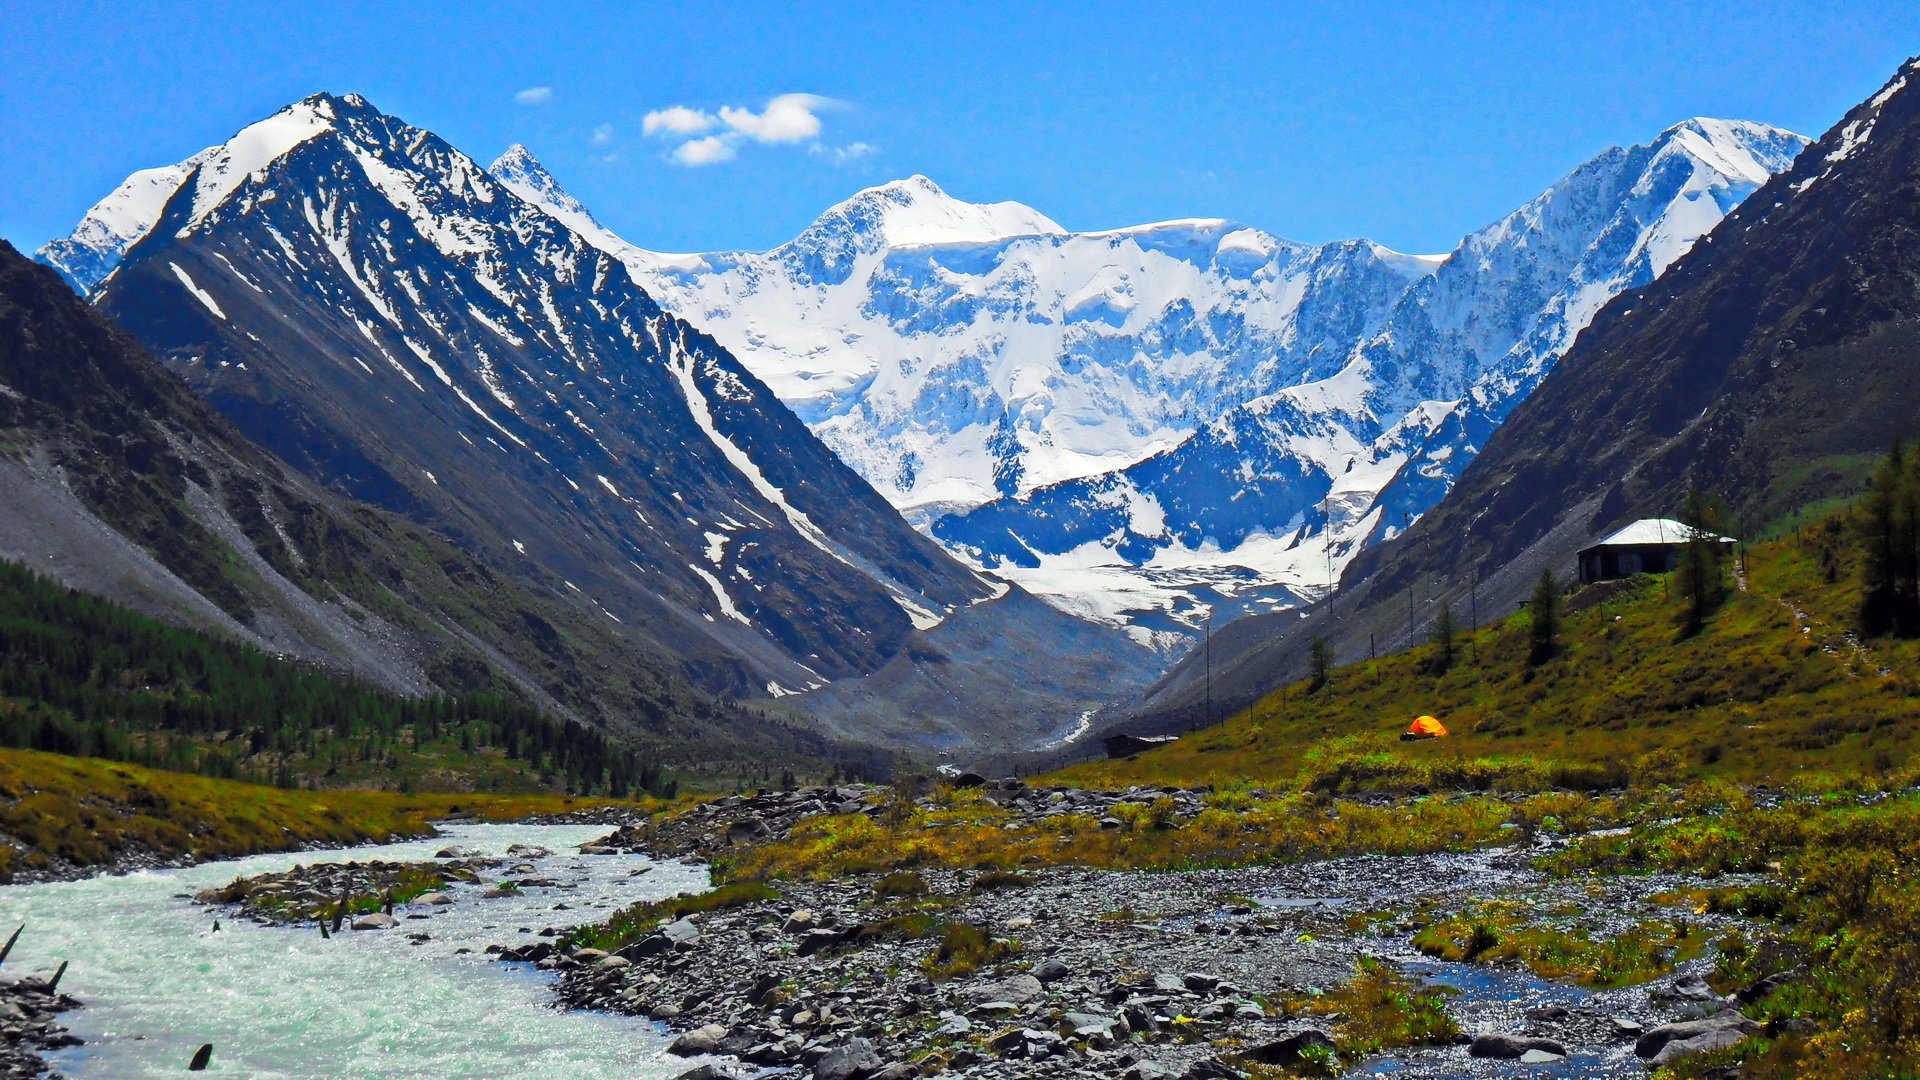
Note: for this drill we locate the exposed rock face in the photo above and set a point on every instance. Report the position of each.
(371, 305)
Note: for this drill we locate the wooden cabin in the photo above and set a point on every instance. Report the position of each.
(1648, 546)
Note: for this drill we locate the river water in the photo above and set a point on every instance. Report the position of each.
(157, 981)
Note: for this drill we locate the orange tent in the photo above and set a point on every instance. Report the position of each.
(1425, 727)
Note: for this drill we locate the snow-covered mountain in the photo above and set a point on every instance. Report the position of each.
(1145, 424)
(387, 316)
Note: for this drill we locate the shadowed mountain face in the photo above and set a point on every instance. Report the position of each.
(115, 477)
(374, 307)
(1763, 367)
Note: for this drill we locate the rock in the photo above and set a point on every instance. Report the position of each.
(376, 921)
(1669, 1041)
(1211, 1069)
(1051, 969)
(1199, 984)
(1767, 987)
(707, 1072)
(1081, 1023)
(590, 956)
(761, 987)
(953, 1025)
(1290, 1049)
(682, 932)
(1169, 984)
(1685, 988)
(1511, 1047)
(899, 1070)
(800, 922)
(1627, 1026)
(701, 1040)
(1547, 1013)
(748, 829)
(854, 1060)
(434, 899)
(527, 851)
(614, 963)
(450, 853)
(1019, 989)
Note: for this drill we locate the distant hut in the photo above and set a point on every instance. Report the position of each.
(1648, 546)
(1123, 746)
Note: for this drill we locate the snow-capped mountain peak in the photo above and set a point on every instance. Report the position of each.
(918, 211)
(90, 253)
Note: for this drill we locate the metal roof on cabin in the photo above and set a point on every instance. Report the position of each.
(1655, 531)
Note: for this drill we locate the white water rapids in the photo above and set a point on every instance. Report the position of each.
(156, 981)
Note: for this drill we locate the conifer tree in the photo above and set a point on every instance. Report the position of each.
(1544, 610)
(1319, 664)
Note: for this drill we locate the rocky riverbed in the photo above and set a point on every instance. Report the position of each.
(29, 1020)
(1112, 973)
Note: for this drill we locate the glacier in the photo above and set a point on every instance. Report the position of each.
(1188, 420)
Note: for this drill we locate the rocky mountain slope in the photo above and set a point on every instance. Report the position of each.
(119, 480)
(1767, 367)
(373, 306)
(1144, 425)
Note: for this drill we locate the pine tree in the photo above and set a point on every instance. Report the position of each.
(1699, 580)
(1319, 664)
(1889, 537)
(1545, 612)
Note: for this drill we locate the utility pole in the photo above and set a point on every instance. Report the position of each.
(1209, 665)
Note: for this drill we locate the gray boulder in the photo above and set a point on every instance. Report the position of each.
(1511, 1047)
(1019, 989)
(701, 1040)
(1668, 1041)
(1290, 1049)
(376, 921)
(854, 1060)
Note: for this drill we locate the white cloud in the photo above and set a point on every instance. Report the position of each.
(842, 155)
(677, 120)
(787, 118)
(602, 135)
(534, 95)
(711, 150)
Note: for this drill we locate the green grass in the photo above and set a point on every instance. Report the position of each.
(1380, 1008)
(964, 949)
(1751, 697)
(632, 923)
(84, 811)
(1495, 932)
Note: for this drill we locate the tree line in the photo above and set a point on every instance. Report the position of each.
(81, 675)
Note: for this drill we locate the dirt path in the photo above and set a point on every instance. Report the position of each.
(1848, 651)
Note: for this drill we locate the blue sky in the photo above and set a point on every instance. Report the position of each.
(1410, 123)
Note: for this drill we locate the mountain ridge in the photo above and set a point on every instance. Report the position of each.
(377, 309)
(988, 390)
(1768, 367)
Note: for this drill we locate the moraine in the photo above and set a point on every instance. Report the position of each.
(156, 981)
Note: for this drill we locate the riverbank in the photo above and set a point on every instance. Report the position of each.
(1009, 930)
(64, 817)
(30, 1011)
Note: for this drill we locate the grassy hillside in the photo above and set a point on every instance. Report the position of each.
(59, 812)
(1771, 685)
